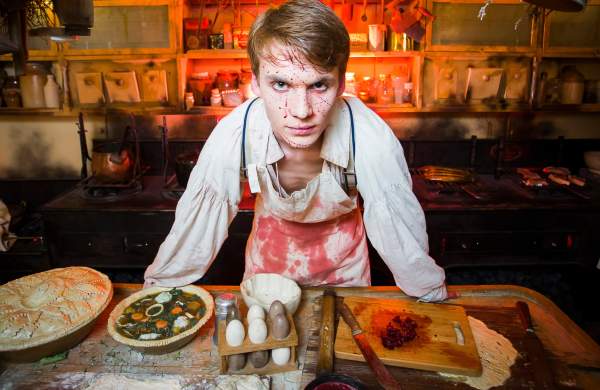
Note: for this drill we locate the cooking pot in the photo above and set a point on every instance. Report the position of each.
(184, 163)
(113, 162)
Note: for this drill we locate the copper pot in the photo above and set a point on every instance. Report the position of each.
(112, 163)
(184, 163)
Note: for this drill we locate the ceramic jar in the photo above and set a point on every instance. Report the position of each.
(32, 86)
(572, 86)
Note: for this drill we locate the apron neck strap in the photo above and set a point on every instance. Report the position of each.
(244, 125)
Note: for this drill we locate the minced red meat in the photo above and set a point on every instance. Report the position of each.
(398, 332)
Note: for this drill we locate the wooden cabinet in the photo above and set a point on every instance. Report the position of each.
(467, 25)
(574, 34)
(124, 27)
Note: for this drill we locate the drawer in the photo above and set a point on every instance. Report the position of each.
(106, 249)
(509, 243)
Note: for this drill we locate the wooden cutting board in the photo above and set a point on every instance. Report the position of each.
(436, 347)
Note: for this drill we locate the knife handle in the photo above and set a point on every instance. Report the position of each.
(349, 318)
(525, 315)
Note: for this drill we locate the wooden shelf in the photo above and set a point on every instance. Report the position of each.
(89, 111)
(210, 110)
(384, 54)
(585, 107)
(29, 111)
(582, 54)
(396, 108)
(156, 57)
(378, 108)
(219, 54)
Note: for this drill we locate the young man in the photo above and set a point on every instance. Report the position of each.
(301, 145)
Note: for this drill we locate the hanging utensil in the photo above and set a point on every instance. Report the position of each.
(363, 17)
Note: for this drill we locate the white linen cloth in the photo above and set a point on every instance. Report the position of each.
(393, 218)
(7, 239)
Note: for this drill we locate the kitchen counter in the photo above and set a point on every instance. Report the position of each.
(196, 365)
(487, 193)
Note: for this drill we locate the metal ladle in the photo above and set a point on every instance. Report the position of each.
(363, 17)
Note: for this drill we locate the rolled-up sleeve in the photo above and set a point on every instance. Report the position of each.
(204, 212)
(393, 217)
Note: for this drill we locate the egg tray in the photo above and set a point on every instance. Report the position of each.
(290, 341)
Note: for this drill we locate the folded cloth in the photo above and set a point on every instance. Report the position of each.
(6, 238)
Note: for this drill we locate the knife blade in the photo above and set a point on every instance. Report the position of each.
(383, 376)
(542, 370)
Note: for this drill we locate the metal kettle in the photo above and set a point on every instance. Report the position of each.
(114, 162)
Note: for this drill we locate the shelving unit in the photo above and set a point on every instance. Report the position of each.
(488, 46)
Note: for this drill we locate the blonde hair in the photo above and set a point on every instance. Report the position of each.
(309, 28)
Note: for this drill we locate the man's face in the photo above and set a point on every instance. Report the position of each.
(298, 98)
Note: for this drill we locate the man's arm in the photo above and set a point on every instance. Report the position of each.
(393, 217)
(204, 212)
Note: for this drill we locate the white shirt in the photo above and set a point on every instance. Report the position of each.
(393, 217)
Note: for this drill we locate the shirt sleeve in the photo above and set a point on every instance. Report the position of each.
(393, 217)
(204, 212)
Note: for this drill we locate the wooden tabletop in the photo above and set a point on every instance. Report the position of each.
(574, 356)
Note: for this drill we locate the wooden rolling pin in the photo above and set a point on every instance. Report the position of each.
(325, 362)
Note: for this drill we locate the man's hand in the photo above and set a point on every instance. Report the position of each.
(453, 295)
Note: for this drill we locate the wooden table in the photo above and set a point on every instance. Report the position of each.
(197, 364)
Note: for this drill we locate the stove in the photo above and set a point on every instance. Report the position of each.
(506, 192)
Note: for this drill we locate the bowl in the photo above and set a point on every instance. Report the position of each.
(157, 347)
(263, 289)
(592, 159)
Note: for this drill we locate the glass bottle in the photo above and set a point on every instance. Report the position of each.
(215, 97)
(385, 94)
(203, 33)
(51, 93)
(227, 36)
(189, 100)
(350, 85)
(407, 96)
(11, 92)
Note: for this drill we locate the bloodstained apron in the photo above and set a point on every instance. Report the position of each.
(314, 236)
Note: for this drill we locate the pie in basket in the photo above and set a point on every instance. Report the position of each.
(43, 307)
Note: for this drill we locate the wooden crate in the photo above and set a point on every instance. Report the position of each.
(247, 346)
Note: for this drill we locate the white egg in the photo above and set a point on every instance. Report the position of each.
(181, 322)
(255, 311)
(280, 356)
(163, 297)
(257, 331)
(235, 333)
(149, 336)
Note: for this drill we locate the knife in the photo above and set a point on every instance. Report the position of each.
(542, 371)
(383, 376)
